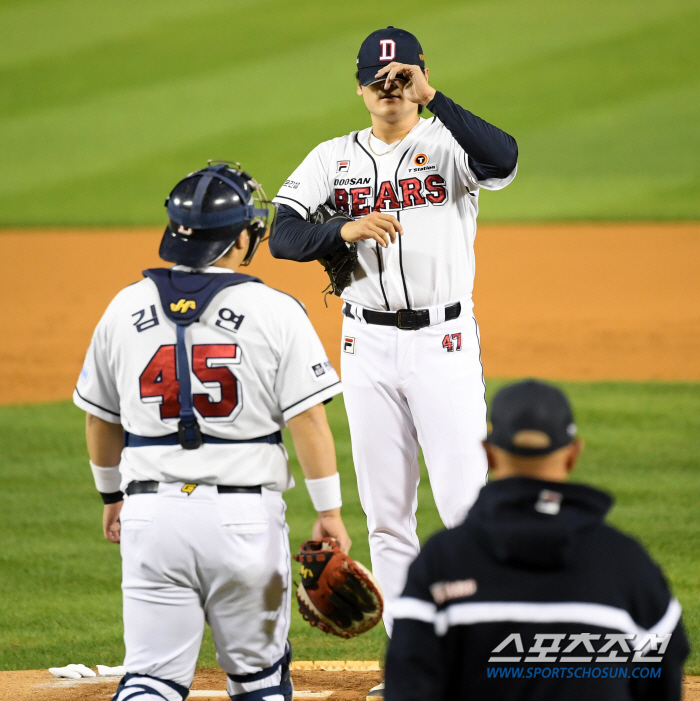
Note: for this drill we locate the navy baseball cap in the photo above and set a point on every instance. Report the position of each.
(531, 418)
(384, 46)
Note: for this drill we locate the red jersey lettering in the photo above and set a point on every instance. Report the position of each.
(210, 363)
(437, 192)
(410, 193)
(341, 200)
(387, 198)
(360, 206)
(159, 384)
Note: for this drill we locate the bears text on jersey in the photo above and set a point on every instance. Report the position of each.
(406, 194)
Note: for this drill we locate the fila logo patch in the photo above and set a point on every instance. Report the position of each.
(349, 345)
(388, 50)
(343, 167)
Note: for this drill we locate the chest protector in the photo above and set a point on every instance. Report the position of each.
(184, 298)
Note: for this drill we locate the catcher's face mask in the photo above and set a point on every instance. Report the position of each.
(209, 209)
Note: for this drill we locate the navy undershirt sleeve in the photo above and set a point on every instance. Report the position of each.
(492, 153)
(296, 239)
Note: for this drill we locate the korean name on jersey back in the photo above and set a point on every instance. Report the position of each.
(356, 196)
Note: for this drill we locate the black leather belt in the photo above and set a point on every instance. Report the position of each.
(151, 487)
(407, 319)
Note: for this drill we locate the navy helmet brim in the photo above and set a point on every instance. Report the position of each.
(189, 251)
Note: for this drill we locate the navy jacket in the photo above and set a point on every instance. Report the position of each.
(535, 598)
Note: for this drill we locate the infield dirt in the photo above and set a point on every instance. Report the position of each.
(39, 685)
(578, 302)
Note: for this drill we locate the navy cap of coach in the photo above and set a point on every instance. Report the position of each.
(531, 418)
(384, 46)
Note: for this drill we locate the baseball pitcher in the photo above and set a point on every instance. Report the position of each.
(401, 196)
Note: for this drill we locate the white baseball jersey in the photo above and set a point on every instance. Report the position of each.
(427, 184)
(255, 362)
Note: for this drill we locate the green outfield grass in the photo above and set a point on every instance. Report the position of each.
(59, 579)
(104, 106)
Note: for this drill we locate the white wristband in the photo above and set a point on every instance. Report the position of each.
(325, 492)
(107, 479)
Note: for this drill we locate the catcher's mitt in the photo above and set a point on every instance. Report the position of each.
(337, 595)
(339, 264)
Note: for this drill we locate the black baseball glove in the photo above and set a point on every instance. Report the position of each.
(340, 263)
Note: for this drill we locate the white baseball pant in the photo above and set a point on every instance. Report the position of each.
(204, 556)
(403, 389)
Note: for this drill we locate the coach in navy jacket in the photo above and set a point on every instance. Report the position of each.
(534, 597)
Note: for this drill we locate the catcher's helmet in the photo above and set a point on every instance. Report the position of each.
(208, 210)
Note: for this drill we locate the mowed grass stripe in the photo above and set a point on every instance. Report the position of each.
(610, 163)
(151, 86)
(142, 184)
(99, 135)
(59, 585)
(139, 56)
(35, 29)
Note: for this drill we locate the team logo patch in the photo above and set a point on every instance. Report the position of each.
(549, 502)
(349, 345)
(421, 159)
(388, 50)
(188, 488)
(343, 167)
(318, 370)
(183, 306)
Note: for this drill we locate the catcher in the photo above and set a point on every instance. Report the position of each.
(183, 430)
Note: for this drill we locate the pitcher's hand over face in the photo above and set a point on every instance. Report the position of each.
(381, 227)
(417, 88)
